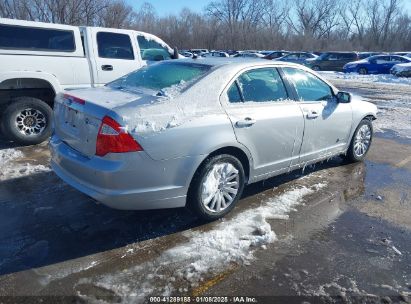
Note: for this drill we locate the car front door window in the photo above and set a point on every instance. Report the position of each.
(308, 86)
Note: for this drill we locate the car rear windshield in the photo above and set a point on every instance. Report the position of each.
(32, 38)
(161, 75)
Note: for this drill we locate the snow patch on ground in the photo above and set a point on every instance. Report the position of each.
(397, 119)
(205, 253)
(12, 167)
(380, 78)
(7, 155)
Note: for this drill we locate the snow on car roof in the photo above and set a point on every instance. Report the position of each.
(236, 62)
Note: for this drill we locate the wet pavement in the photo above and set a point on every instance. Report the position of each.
(347, 241)
(354, 247)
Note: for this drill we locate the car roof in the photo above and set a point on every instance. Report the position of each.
(337, 52)
(236, 63)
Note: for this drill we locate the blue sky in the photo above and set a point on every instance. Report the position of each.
(172, 7)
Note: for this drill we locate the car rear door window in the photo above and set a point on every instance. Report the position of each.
(234, 94)
(261, 85)
(36, 39)
(382, 59)
(398, 59)
(347, 56)
(308, 86)
(114, 45)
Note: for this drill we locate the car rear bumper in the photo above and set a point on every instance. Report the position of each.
(136, 182)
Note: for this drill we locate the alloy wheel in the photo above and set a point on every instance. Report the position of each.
(362, 140)
(220, 187)
(30, 122)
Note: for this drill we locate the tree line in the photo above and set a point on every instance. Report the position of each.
(316, 25)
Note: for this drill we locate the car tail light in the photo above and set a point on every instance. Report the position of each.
(113, 138)
(74, 99)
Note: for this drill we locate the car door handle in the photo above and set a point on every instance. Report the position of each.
(312, 114)
(246, 122)
(107, 67)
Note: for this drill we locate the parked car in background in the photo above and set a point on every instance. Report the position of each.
(231, 52)
(109, 142)
(276, 54)
(380, 64)
(363, 55)
(406, 54)
(297, 57)
(401, 70)
(265, 53)
(332, 61)
(39, 60)
(199, 52)
(186, 54)
(217, 54)
(248, 55)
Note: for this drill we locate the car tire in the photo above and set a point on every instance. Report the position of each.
(316, 68)
(362, 71)
(360, 142)
(220, 179)
(27, 121)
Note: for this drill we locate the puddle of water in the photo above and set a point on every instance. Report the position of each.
(381, 175)
(393, 135)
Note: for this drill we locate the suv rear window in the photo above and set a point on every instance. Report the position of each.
(160, 76)
(35, 38)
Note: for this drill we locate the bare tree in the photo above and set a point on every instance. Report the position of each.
(241, 24)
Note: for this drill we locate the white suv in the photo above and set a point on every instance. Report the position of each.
(39, 60)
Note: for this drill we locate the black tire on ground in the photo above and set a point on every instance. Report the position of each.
(194, 197)
(316, 68)
(362, 71)
(30, 108)
(351, 156)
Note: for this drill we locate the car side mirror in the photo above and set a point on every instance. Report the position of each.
(175, 54)
(343, 97)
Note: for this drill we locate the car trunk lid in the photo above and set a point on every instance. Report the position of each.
(79, 113)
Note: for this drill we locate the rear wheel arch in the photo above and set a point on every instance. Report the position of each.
(39, 88)
(230, 150)
(239, 154)
(195, 196)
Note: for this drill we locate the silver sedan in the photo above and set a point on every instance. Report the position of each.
(194, 132)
